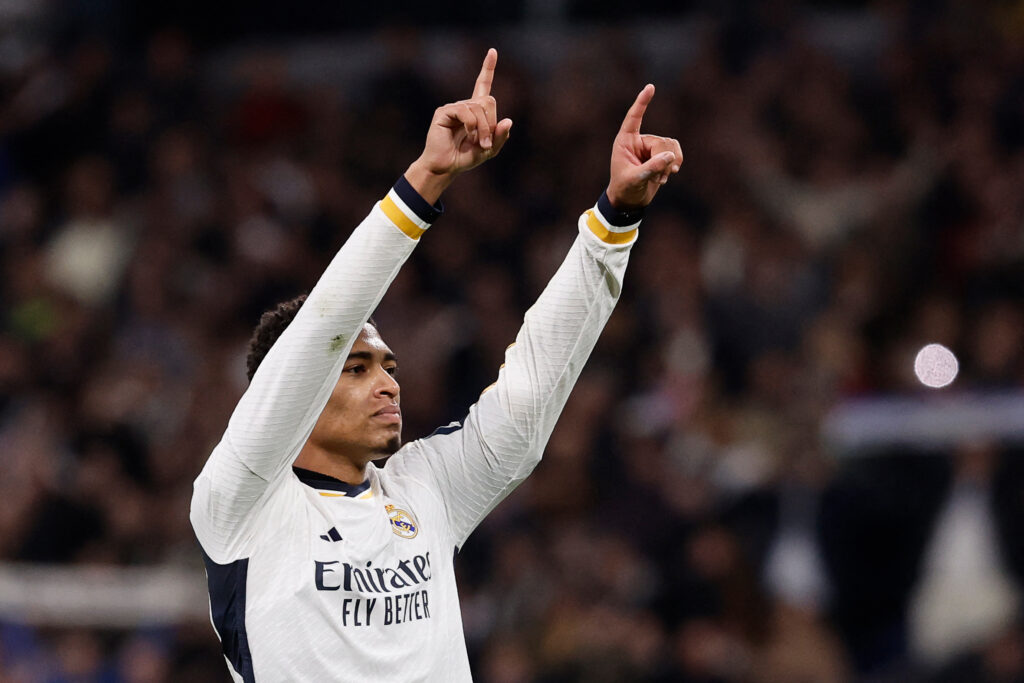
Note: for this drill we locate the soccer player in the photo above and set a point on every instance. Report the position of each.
(323, 567)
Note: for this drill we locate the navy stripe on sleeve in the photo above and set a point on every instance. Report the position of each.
(226, 583)
(423, 209)
(619, 219)
(447, 429)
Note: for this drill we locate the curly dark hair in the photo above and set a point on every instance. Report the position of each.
(272, 325)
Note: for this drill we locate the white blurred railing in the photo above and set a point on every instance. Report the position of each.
(107, 596)
(924, 422)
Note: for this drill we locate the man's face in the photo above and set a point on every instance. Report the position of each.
(362, 420)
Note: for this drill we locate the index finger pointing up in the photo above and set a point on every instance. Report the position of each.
(635, 115)
(483, 81)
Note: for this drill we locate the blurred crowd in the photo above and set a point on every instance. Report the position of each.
(835, 213)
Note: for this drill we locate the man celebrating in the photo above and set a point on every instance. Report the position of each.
(322, 567)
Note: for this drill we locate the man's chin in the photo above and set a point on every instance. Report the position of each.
(389, 448)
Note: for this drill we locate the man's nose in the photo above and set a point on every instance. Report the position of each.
(387, 385)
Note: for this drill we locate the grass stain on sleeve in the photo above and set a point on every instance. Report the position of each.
(337, 343)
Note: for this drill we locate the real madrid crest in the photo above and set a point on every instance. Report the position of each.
(402, 522)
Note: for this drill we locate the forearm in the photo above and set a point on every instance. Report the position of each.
(297, 376)
(561, 328)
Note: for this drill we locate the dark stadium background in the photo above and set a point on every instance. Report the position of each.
(748, 484)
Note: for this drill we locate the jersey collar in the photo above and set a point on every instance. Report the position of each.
(325, 482)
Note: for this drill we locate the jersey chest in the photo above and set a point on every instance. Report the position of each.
(377, 562)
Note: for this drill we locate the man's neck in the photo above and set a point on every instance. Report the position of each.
(316, 458)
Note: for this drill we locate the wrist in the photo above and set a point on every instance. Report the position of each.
(621, 203)
(429, 184)
(622, 199)
(617, 214)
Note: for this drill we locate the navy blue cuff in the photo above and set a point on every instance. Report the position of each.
(619, 219)
(420, 206)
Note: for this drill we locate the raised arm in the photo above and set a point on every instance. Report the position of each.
(276, 414)
(477, 463)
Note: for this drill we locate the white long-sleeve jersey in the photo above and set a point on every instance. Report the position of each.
(312, 579)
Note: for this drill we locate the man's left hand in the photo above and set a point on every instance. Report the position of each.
(640, 164)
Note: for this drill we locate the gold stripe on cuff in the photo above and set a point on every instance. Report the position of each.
(401, 221)
(606, 235)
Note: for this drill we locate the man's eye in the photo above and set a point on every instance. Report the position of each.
(356, 369)
(393, 370)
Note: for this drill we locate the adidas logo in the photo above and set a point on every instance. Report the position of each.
(331, 535)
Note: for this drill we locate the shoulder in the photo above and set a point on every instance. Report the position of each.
(410, 470)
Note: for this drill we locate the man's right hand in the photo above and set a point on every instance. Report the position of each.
(462, 135)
